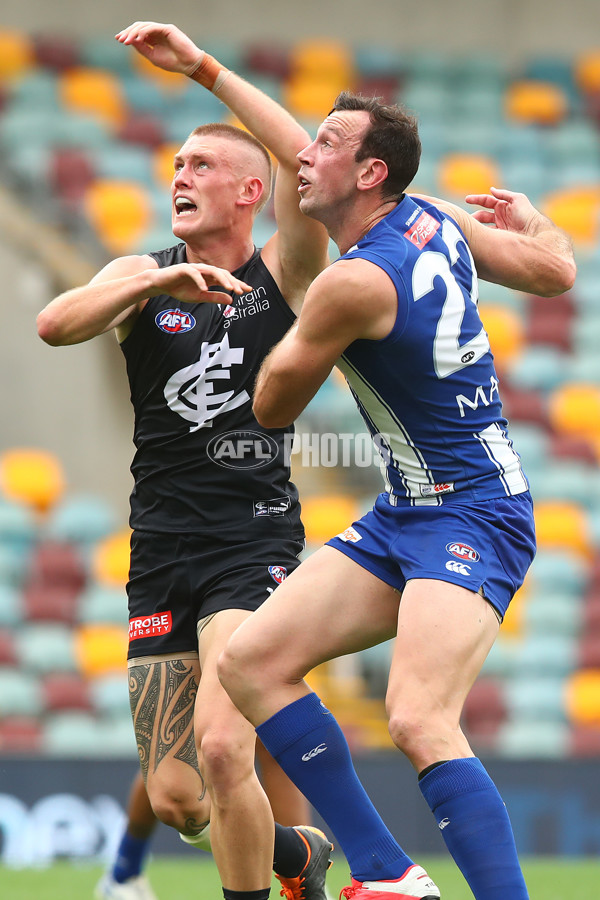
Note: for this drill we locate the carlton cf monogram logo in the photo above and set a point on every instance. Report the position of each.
(191, 392)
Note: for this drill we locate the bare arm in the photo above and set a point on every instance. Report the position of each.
(522, 249)
(299, 250)
(117, 294)
(350, 300)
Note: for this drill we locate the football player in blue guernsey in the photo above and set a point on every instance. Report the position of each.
(448, 542)
(215, 518)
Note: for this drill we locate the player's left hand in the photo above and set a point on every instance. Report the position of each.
(508, 210)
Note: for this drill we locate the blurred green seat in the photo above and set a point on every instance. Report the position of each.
(539, 367)
(81, 519)
(73, 734)
(20, 693)
(535, 699)
(46, 647)
(110, 695)
(99, 603)
(525, 739)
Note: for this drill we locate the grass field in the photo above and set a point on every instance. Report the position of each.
(175, 878)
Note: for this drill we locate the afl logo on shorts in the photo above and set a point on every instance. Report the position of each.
(174, 321)
(278, 573)
(462, 551)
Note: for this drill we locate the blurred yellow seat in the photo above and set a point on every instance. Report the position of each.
(512, 625)
(100, 649)
(326, 515)
(120, 212)
(536, 102)
(574, 409)
(582, 696)
(162, 163)
(323, 57)
(577, 210)
(95, 92)
(17, 54)
(31, 476)
(564, 526)
(587, 71)
(505, 331)
(467, 173)
(311, 96)
(319, 70)
(110, 559)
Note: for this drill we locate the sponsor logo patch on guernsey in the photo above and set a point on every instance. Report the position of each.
(421, 231)
(350, 534)
(174, 321)
(150, 626)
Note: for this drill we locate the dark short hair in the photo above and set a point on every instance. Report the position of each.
(393, 136)
(222, 129)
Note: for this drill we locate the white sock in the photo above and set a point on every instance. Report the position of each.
(200, 840)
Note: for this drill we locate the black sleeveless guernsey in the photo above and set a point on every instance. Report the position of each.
(203, 464)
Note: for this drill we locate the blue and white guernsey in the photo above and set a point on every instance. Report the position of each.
(428, 392)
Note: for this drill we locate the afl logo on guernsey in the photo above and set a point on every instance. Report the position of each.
(174, 321)
(462, 551)
(278, 573)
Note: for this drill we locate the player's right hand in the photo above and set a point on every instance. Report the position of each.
(166, 46)
(190, 283)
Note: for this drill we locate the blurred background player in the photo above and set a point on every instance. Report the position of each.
(205, 551)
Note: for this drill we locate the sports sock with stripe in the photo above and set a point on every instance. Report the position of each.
(475, 826)
(310, 747)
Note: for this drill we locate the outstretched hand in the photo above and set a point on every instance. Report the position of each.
(190, 283)
(504, 209)
(166, 46)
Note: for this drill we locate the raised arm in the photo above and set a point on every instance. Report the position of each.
(514, 244)
(299, 251)
(350, 300)
(116, 295)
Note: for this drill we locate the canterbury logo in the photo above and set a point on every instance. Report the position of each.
(321, 748)
(458, 567)
(442, 824)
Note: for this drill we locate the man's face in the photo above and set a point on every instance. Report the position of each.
(208, 181)
(328, 169)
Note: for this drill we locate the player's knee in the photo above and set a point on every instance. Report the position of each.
(239, 671)
(176, 809)
(408, 730)
(225, 759)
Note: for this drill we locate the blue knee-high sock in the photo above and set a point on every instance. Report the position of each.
(130, 857)
(310, 747)
(476, 828)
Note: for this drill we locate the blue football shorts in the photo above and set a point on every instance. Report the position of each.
(486, 546)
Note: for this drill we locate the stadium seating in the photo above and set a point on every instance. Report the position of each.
(107, 125)
(119, 211)
(110, 559)
(32, 476)
(467, 173)
(95, 92)
(539, 102)
(100, 649)
(17, 54)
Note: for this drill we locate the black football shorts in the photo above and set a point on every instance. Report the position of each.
(176, 580)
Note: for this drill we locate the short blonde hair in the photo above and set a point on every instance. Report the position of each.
(231, 132)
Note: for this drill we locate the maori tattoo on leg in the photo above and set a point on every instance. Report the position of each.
(162, 699)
